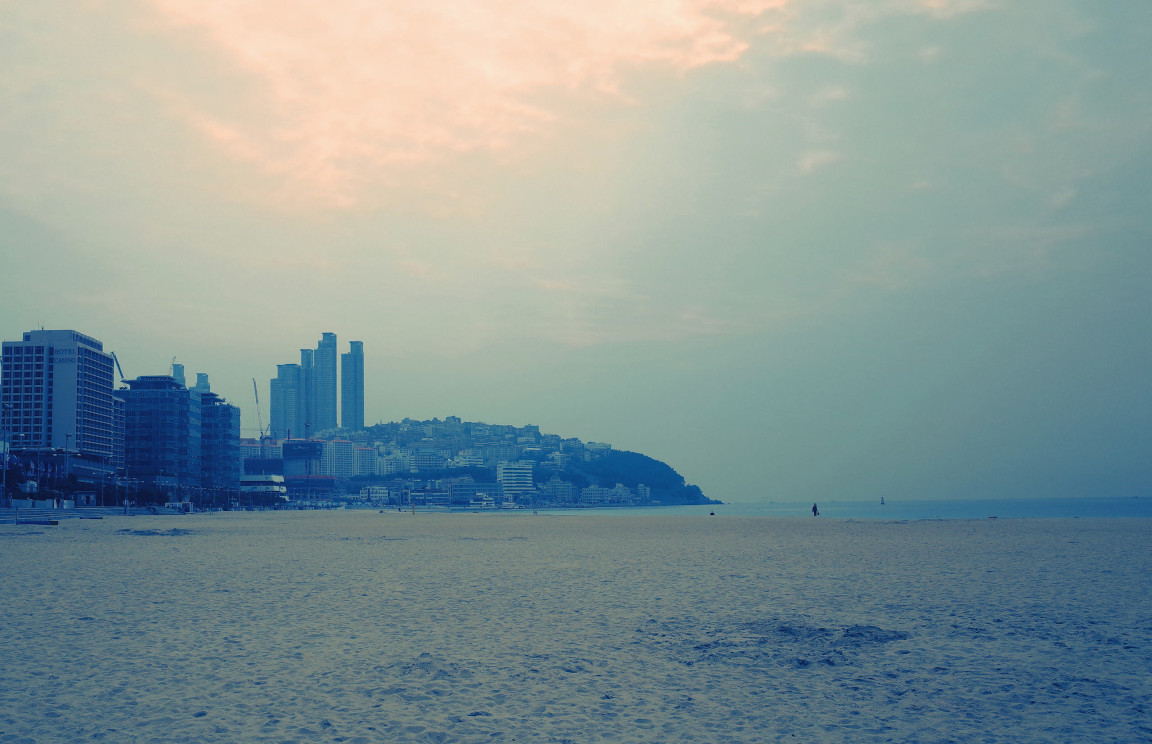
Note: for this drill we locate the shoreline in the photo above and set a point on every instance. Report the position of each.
(1132, 507)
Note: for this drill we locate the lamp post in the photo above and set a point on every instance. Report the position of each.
(7, 457)
(103, 477)
(4, 474)
(67, 464)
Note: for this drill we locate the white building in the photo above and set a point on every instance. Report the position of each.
(467, 459)
(366, 461)
(515, 479)
(57, 393)
(338, 458)
(595, 496)
(392, 465)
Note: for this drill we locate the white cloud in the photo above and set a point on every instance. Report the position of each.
(813, 160)
(361, 95)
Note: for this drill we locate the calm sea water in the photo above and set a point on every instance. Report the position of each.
(895, 509)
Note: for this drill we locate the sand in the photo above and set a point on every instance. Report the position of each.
(369, 627)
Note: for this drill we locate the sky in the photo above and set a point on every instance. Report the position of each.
(797, 249)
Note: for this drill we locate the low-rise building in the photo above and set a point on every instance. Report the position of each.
(515, 479)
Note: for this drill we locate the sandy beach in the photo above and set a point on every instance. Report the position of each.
(394, 627)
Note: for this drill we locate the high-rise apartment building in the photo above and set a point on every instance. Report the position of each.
(339, 458)
(307, 392)
(324, 409)
(304, 396)
(56, 389)
(287, 403)
(219, 438)
(162, 431)
(176, 435)
(352, 387)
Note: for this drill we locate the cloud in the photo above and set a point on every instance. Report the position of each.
(811, 161)
(1020, 248)
(360, 94)
(894, 267)
(347, 104)
(1062, 198)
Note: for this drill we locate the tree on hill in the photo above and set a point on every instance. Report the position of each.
(632, 469)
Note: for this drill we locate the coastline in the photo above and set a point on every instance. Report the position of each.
(911, 510)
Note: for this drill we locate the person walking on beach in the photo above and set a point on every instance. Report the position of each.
(815, 511)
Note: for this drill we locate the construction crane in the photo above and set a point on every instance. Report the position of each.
(118, 366)
(259, 417)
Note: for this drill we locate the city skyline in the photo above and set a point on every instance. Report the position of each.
(65, 426)
(303, 397)
(799, 249)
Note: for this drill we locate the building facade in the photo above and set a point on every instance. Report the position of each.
(324, 375)
(287, 406)
(162, 431)
(57, 393)
(352, 387)
(219, 440)
(179, 436)
(339, 458)
(307, 393)
(515, 479)
(305, 397)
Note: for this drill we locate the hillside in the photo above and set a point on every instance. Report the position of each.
(632, 469)
(562, 468)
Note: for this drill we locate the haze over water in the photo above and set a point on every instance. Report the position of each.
(935, 509)
(801, 250)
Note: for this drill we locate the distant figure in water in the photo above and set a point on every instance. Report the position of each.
(815, 511)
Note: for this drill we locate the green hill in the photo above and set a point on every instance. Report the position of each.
(632, 469)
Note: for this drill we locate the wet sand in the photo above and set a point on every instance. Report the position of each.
(369, 627)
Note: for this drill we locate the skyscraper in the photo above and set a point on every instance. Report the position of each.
(307, 392)
(56, 389)
(304, 396)
(324, 409)
(352, 386)
(287, 405)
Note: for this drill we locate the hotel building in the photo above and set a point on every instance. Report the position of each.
(57, 393)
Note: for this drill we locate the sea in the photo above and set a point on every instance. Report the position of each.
(894, 509)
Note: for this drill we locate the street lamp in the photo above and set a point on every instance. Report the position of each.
(4, 473)
(103, 477)
(21, 447)
(7, 460)
(67, 464)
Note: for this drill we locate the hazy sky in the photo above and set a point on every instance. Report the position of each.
(798, 249)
